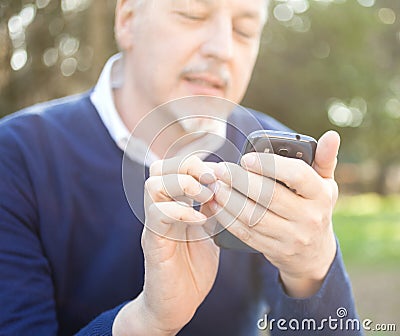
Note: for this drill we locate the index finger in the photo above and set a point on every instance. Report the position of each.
(294, 173)
(189, 165)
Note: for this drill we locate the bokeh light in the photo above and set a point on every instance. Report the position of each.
(283, 12)
(42, 3)
(68, 45)
(387, 15)
(85, 58)
(50, 57)
(351, 115)
(27, 15)
(299, 6)
(366, 3)
(69, 66)
(18, 59)
(69, 6)
(392, 108)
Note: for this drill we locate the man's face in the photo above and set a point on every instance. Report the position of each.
(193, 47)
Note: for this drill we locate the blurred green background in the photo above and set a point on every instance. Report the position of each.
(323, 64)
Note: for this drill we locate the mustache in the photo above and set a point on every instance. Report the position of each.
(211, 68)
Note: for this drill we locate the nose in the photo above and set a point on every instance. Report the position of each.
(218, 42)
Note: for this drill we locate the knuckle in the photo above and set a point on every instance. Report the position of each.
(150, 183)
(189, 185)
(326, 194)
(242, 234)
(264, 219)
(290, 252)
(304, 241)
(180, 216)
(317, 219)
(184, 213)
(156, 188)
(287, 255)
(156, 168)
(191, 163)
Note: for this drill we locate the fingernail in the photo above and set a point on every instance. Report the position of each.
(220, 170)
(249, 160)
(214, 187)
(208, 177)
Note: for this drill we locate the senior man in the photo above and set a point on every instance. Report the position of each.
(75, 258)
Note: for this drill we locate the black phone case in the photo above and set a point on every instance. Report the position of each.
(286, 144)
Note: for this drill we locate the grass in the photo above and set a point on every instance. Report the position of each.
(368, 228)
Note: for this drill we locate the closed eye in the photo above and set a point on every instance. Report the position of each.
(243, 33)
(192, 17)
(246, 35)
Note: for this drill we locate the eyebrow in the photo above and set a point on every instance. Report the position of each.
(248, 14)
(207, 2)
(251, 15)
(202, 2)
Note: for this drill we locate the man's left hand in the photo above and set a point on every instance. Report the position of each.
(291, 225)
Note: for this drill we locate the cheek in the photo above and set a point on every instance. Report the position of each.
(156, 65)
(242, 74)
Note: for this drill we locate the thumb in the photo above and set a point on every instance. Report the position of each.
(326, 155)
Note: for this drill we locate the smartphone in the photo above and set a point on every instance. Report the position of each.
(292, 145)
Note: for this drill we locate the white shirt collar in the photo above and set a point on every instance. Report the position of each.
(103, 100)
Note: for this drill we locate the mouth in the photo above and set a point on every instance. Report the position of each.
(205, 84)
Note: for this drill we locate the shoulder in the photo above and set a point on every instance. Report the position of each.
(57, 109)
(39, 119)
(42, 129)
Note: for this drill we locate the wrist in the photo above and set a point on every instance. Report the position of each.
(298, 287)
(308, 284)
(135, 319)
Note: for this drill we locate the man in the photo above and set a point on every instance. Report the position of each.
(76, 259)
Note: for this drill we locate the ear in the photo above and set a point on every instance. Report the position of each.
(124, 13)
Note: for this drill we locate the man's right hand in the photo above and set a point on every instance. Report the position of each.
(180, 265)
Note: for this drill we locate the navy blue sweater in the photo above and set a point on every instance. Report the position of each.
(70, 253)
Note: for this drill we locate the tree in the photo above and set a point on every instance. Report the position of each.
(324, 64)
(335, 65)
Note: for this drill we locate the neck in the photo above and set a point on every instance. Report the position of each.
(155, 127)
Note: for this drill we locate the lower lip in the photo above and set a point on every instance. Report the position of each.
(198, 89)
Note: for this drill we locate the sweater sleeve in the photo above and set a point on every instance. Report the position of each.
(102, 325)
(26, 288)
(331, 311)
(28, 303)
